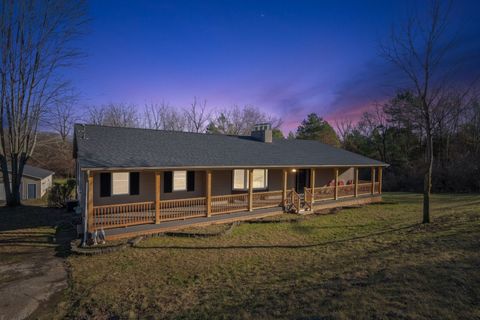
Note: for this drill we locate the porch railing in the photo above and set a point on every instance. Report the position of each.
(324, 193)
(183, 208)
(229, 203)
(120, 215)
(267, 199)
(364, 188)
(346, 191)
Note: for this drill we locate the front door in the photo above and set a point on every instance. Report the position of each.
(302, 180)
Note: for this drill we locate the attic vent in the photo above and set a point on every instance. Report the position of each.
(262, 132)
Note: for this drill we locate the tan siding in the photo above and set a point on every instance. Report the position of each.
(221, 182)
(324, 176)
(275, 177)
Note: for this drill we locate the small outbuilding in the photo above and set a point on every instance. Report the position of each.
(35, 183)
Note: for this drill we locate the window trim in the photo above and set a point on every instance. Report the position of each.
(246, 178)
(173, 181)
(112, 193)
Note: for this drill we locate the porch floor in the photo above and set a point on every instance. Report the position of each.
(148, 229)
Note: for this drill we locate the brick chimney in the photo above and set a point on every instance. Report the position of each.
(262, 132)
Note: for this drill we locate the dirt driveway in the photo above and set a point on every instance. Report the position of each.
(32, 267)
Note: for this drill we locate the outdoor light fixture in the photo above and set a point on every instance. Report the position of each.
(294, 170)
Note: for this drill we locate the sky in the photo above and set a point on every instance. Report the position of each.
(289, 58)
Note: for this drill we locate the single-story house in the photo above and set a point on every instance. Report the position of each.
(34, 185)
(140, 181)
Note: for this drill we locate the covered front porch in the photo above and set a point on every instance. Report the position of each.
(214, 196)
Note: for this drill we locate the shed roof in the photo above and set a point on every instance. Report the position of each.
(35, 172)
(102, 147)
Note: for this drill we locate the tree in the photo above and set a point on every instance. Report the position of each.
(62, 116)
(315, 128)
(36, 43)
(197, 116)
(164, 117)
(277, 134)
(115, 115)
(240, 121)
(420, 51)
(291, 136)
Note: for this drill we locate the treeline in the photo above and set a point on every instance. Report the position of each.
(197, 117)
(390, 133)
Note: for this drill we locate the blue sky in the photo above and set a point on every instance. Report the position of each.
(288, 58)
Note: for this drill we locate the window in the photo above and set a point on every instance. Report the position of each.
(120, 183)
(240, 179)
(260, 178)
(179, 180)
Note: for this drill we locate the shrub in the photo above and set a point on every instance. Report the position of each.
(60, 193)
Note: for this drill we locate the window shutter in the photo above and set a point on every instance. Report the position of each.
(167, 181)
(190, 180)
(105, 184)
(134, 183)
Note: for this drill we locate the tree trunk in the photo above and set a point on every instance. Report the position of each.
(427, 184)
(12, 189)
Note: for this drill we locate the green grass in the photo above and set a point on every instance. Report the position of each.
(377, 261)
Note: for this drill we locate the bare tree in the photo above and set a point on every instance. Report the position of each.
(374, 123)
(420, 51)
(344, 128)
(61, 116)
(197, 116)
(240, 121)
(163, 117)
(36, 42)
(114, 114)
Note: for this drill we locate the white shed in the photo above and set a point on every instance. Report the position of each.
(35, 183)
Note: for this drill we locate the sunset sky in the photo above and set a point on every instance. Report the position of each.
(289, 58)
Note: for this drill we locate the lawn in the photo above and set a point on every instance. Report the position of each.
(376, 261)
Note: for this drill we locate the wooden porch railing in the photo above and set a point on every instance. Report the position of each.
(308, 198)
(229, 203)
(324, 193)
(121, 215)
(364, 188)
(183, 208)
(267, 199)
(292, 201)
(346, 190)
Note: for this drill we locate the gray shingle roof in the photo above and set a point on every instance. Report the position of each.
(35, 172)
(114, 147)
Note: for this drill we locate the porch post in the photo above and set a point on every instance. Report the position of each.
(157, 197)
(312, 185)
(284, 187)
(372, 170)
(336, 184)
(90, 202)
(356, 182)
(209, 192)
(380, 180)
(250, 189)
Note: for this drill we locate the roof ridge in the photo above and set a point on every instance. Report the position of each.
(158, 130)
